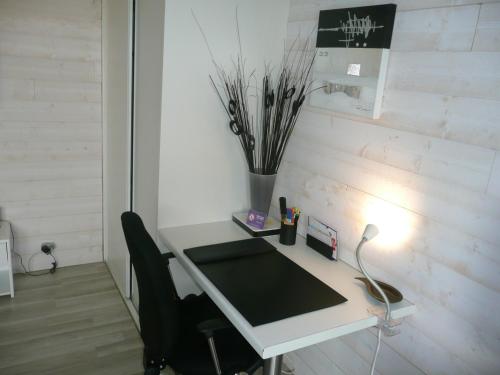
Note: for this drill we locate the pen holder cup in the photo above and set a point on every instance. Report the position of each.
(288, 234)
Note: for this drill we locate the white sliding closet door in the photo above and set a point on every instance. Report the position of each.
(132, 77)
(149, 31)
(117, 121)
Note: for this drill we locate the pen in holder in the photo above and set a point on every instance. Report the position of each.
(289, 220)
(288, 232)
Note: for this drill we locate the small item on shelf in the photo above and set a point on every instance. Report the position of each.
(256, 219)
(322, 238)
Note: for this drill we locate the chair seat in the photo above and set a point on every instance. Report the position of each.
(192, 354)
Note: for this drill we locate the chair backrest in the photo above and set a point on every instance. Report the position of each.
(159, 313)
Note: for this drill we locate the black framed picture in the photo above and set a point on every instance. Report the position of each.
(352, 58)
(361, 27)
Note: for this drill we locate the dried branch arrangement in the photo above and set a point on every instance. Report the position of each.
(278, 101)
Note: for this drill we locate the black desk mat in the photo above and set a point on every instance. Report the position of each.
(260, 282)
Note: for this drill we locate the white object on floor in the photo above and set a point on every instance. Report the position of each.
(6, 278)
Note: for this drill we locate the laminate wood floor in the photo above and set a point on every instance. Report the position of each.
(71, 322)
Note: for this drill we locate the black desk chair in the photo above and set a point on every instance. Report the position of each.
(190, 335)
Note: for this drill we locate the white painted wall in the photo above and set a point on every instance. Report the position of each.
(428, 173)
(203, 176)
(50, 128)
(148, 108)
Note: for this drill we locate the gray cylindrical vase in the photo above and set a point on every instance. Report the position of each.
(261, 191)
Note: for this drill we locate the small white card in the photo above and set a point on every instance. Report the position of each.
(323, 233)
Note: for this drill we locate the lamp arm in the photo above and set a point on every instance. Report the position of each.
(373, 282)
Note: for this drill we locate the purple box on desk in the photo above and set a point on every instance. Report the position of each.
(256, 219)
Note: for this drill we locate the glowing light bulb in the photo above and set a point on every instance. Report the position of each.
(393, 222)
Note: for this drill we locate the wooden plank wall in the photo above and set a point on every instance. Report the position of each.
(50, 128)
(429, 169)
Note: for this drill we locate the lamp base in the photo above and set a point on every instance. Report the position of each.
(392, 293)
(388, 327)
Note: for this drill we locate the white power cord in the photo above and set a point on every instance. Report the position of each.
(370, 232)
(379, 336)
(27, 270)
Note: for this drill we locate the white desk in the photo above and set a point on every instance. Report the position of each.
(274, 339)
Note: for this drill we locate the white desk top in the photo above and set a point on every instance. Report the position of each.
(290, 334)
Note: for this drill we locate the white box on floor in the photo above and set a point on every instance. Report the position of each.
(6, 277)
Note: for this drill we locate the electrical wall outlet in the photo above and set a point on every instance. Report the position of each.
(48, 246)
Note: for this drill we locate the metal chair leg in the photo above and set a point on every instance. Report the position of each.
(254, 367)
(213, 352)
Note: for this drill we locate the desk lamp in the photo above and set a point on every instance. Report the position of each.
(370, 232)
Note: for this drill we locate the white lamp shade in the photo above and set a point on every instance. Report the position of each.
(370, 232)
